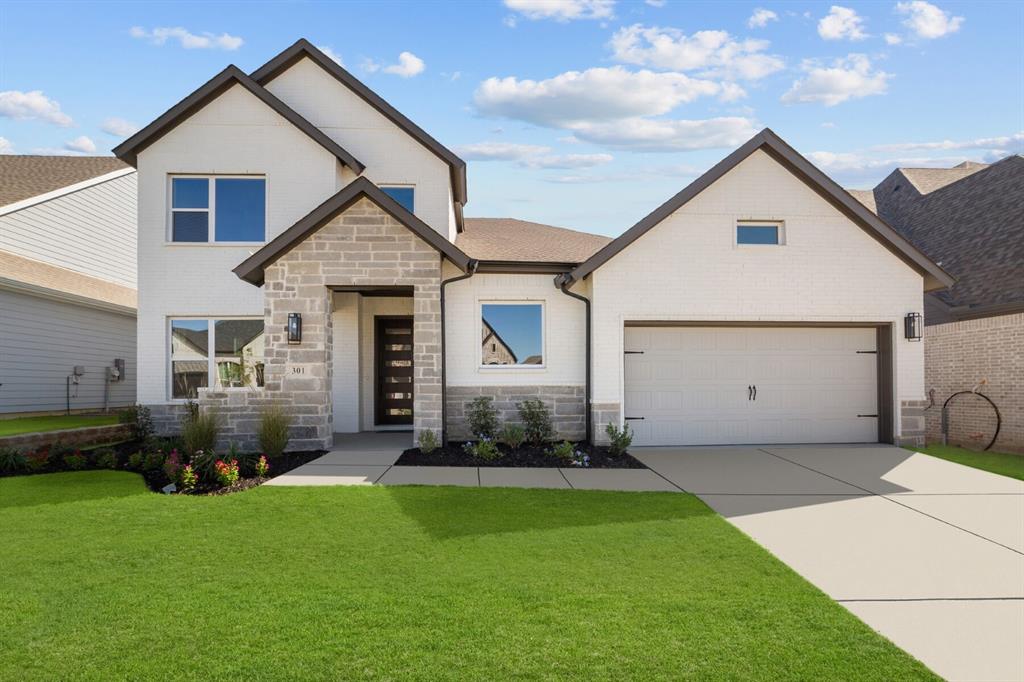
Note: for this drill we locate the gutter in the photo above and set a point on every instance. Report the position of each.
(470, 271)
(563, 282)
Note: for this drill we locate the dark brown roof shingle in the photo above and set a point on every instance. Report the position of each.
(509, 239)
(24, 177)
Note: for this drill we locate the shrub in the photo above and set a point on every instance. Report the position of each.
(58, 452)
(537, 421)
(227, 472)
(619, 440)
(138, 420)
(563, 452)
(188, 478)
(262, 467)
(204, 464)
(513, 435)
(75, 460)
(484, 449)
(483, 418)
(11, 461)
(427, 441)
(135, 461)
(273, 432)
(199, 431)
(172, 465)
(36, 460)
(154, 460)
(106, 458)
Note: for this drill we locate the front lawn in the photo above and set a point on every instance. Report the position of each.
(102, 579)
(1002, 463)
(13, 427)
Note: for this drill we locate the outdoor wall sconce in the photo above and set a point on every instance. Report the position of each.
(294, 329)
(912, 326)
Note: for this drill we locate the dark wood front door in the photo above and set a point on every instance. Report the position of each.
(394, 370)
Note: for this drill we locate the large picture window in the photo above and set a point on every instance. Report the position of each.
(218, 209)
(236, 360)
(511, 334)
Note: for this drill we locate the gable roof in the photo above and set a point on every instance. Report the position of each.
(253, 267)
(303, 48)
(24, 177)
(789, 158)
(128, 150)
(508, 239)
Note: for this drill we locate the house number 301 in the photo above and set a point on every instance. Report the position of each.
(298, 370)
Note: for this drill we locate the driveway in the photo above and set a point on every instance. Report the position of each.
(927, 552)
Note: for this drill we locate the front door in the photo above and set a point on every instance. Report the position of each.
(394, 370)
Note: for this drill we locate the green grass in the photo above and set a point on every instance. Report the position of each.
(12, 427)
(1002, 463)
(104, 580)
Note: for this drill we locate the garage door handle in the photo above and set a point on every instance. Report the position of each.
(750, 392)
(755, 392)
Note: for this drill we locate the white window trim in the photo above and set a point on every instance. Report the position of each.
(479, 327)
(780, 225)
(212, 379)
(211, 209)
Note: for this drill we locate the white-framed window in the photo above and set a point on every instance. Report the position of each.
(403, 194)
(511, 334)
(760, 232)
(217, 209)
(223, 352)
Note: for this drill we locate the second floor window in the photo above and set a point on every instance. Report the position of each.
(404, 195)
(218, 209)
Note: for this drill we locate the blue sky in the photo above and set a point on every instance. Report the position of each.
(581, 113)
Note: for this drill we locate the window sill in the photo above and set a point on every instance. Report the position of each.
(512, 368)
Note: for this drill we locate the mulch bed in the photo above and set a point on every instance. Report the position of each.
(278, 465)
(526, 456)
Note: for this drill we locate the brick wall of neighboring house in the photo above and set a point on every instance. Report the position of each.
(958, 355)
(89, 435)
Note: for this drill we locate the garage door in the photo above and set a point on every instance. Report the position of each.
(733, 385)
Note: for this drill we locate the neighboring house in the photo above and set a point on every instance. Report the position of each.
(970, 219)
(67, 283)
(495, 350)
(760, 304)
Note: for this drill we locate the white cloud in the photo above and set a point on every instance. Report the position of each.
(569, 161)
(761, 17)
(828, 124)
(667, 135)
(80, 144)
(716, 53)
(5, 146)
(499, 151)
(841, 22)
(1004, 143)
(928, 21)
(331, 53)
(118, 127)
(188, 40)
(655, 3)
(593, 95)
(892, 39)
(32, 105)
(408, 66)
(510, 21)
(850, 77)
(563, 10)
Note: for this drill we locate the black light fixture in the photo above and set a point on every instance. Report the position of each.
(912, 326)
(294, 329)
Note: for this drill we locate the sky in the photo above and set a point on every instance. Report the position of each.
(580, 113)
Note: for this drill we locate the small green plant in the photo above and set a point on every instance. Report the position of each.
(106, 458)
(227, 472)
(135, 461)
(75, 460)
(139, 421)
(11, 461)
(427, 441)
(153, 460)
(274, 428)
(58, 451)
(564, 452)
(513, 435)
(619, 440)
(262, 467)
(37, 460)
(483, 417)
(200, 430)
(536, 419)
(204, 464)
(484, 449)
(188, 478)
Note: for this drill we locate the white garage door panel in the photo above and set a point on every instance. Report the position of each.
(691, 385)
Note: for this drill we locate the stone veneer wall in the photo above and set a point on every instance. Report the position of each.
(363, 246)
(566, 404)
(912, 422)
(958, 355)
(603, 414)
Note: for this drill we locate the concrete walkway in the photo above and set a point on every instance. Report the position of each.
(927, 552)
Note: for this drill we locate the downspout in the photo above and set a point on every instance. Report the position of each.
(563, 282)
(470, 271)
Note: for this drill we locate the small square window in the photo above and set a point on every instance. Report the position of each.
(758, 233)
(512, 334)
(405, 196)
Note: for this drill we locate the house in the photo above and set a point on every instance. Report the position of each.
(970, 219)
(67, 284)
(760, 304)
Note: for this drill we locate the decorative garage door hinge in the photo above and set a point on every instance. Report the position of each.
(634, 352)
(867, 352)
(868, 415)
(630, 419)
